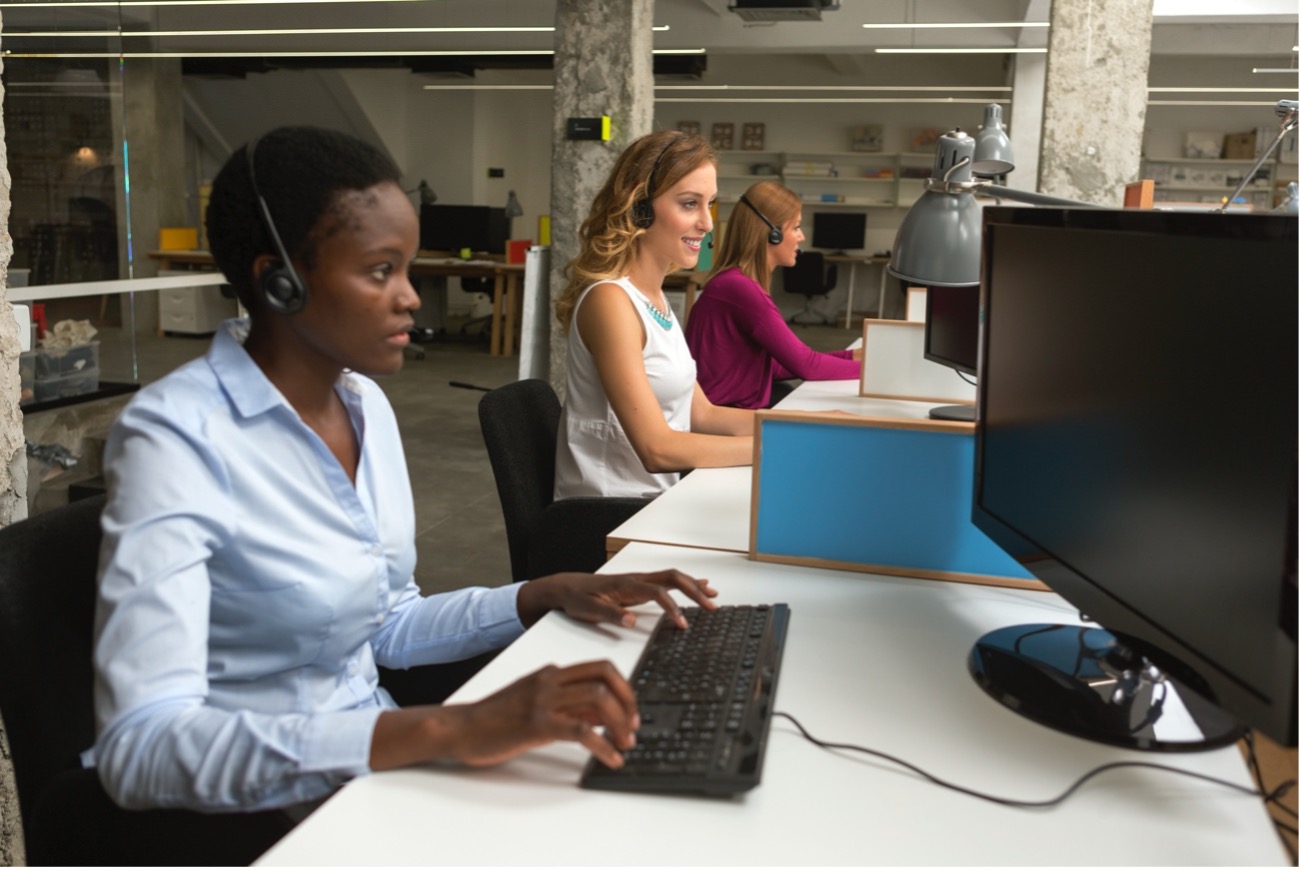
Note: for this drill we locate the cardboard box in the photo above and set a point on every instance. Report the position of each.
(1239, 146)
(178, 238)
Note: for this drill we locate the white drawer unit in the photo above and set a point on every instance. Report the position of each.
(195, 310)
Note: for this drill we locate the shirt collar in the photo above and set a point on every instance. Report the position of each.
(247, 386)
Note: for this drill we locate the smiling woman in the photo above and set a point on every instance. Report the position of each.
(634, 416)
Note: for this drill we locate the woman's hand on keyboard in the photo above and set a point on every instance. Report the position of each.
(572, 703)
(606, 597)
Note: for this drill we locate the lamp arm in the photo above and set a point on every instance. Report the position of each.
(1030, 197)
(1286, 109)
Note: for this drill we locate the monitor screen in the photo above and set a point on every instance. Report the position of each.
(480, 228)
(952, 327)
(1136, 449)
(839, 230)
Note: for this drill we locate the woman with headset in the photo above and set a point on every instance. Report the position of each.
(634, 416)
(736, 333)
(259, 536)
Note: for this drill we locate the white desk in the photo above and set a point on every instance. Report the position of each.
(871, 660)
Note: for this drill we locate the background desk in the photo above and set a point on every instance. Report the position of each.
(853, 267)
(872, 660)
(507, 278)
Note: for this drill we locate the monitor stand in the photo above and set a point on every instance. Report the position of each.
(961, 413)
(1089, 683)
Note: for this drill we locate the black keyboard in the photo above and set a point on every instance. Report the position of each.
(705, 696)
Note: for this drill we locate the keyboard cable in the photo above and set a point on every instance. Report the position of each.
(1270, 797)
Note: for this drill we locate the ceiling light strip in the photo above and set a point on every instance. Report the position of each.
(940, 88)
(908, 100)
(1218, 90)
(961, 50)
(1252, 103)
(952, 25)
(317, 31)
(1270, 69)
(145, 55)
(113, 4)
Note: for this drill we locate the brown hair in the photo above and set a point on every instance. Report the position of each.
(608, 237)
(745, 243)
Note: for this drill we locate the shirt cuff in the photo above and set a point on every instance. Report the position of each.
(339, 743)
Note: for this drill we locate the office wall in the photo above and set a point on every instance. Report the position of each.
(452, 137)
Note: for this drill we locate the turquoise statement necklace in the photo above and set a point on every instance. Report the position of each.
(661, 317)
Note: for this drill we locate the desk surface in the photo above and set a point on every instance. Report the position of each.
(873, 660)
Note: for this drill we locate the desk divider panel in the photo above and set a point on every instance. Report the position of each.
(871, 494)
(894, 367)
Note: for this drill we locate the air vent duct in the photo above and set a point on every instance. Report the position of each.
(782, 10)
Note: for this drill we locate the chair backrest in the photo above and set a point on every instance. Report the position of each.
(48, 566)
(519, 423)
(809, 275)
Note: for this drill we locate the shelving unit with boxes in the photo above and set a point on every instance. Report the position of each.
(1208, 180)
(829, 178)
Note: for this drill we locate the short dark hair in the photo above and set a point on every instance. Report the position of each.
(301, 172)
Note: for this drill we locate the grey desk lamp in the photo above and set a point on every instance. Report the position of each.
(938, 243)
(993, 155)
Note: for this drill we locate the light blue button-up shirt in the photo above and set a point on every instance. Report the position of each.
(248, 589)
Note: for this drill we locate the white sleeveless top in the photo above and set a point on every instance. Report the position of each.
(593, 454)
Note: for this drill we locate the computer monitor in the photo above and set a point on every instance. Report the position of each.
(1136, 450)
(839, 231)
(950, 338)
(480, 228)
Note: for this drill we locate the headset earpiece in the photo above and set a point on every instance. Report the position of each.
(283, 290)
(643, 211)
(775, 234)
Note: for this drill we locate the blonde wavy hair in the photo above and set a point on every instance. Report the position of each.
(745, 244)
(608, 236)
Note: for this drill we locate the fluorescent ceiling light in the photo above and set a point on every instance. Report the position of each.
(934, 26)
(940, 88)
(910, 100)
(1266, 69)
(1217, 90)
(113, 4)
(145, 55)
(961, 50)
(311, 31)
(1208, 103)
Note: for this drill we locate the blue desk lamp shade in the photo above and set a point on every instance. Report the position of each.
(938, 243)
(993, 149)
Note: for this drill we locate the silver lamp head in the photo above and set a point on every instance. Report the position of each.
(993, 149)
(938, 243)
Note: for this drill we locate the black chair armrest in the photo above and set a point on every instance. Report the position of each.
(570, 534)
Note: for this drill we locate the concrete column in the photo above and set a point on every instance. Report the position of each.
(1095, 99)
(602, 67)
(13, 484)
(1025, 126)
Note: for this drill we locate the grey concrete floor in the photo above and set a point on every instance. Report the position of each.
(461, 536)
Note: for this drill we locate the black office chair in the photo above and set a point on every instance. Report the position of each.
(520, 423)
(811, 277)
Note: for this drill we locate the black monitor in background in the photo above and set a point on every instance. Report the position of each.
(951, 336)
(481, 228)
(839, 231)
(1136, 450)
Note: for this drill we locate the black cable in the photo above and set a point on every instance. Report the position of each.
(1273, 798)
(964, 377)
(1014, 802)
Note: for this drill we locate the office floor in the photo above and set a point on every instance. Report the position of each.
(461, 537)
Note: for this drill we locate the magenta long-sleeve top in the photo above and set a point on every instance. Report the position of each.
(742, 344)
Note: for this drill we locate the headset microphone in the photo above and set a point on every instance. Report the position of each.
(283, 290)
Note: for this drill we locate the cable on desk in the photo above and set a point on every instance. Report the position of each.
(1274, 798)
(1029, 804)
